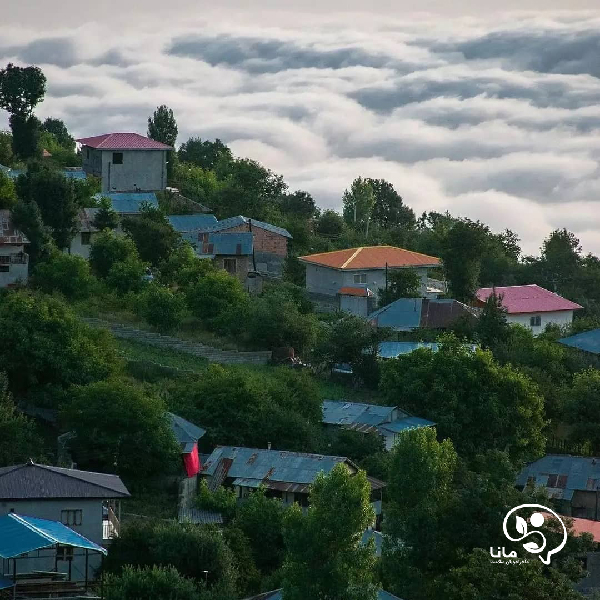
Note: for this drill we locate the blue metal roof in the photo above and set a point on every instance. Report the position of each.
(278, 595)
(228, 244)
(406, 423)
(339, 412)
(14, 173)
(129, 202)
(186, 433)
(588, 341)
(186, 223)
(20, 534)
(5, 583)
(402, 315)
(74, 174)
(240, 220)
(395, 349)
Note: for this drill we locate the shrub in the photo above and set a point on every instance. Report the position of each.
(160, 307)
(110, 248)
(158, 583)
(69, 275)
(127, 276)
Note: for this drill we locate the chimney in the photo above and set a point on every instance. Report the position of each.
(268, 445)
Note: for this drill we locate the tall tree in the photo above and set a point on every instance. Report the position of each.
(60, 132)
(359, 202)
(492, 327)
(561, 259)
(106, 217)
(162, 126)
(204, 153)
(8, 195)
(300, 204)
(389, 209)
(6, 150)
(27, 218)
(325, 555)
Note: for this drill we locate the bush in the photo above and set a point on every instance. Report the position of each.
(222, 500)
(69, 275)
(127, 276)
(110, 248)
(183, 268)
(160, 307)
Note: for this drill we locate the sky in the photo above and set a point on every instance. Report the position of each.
(489, 115)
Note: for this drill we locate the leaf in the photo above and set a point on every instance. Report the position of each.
(521, 525)
(531, 547)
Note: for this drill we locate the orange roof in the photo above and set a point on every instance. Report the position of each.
(371, 257)
(355, 291)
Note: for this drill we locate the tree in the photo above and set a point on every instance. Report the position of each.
(461, 253)
(58, 349)
(162, 126)
(6, 151)
(183, 268)
(492, 327)
(300, 204)
(108, 249)
(25, 136)
(160, 307)
(561, 261)
(402, 283)
(69, 275)
(471, 397)
(159, 583)
(359, 201)
(8, 195)
(325, 556)
(59, 130)
(27, 218)
(204, 154)
(127, 275)
(106, 217)
(582, 407)
(330, 224)
(389, 209)
(56, 197)
(116, 423)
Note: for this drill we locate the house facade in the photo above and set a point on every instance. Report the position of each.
(126, 162)
(531, 306)
(14, 260)
(87, 502)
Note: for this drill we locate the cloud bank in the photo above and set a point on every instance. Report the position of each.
(497, 121)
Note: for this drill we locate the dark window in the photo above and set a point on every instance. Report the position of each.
(562, 481)
(70, 517)
(86, 238)
(591, 484)
(301, 499)
(552, 480)
(230, 265)
(535, 321)
(117, 158)
(64, 552)
(4, 268)
(4, 260)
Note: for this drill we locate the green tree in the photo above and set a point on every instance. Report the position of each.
(330, 224)
(204, 154)
(162, 126)
(300, 204)
(6, 151)
(108, 249)
(359, 202)
(115, 423)
(27, 218)
(58, 349)
(183, 268)
(25, 136)
(69, 275)
(60, 132)
(582, 407)
(8, 195)
(159, 583)
(492, 327)
(402, 283)
(561, 261)
(471, 397)
(106, 217)
(127, 275)
(325, 557)
(160, 307)
(389, 209)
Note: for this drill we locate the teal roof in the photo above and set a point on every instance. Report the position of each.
(406, 423)
(5, 583)
(185, 223)
(403, 314)
(186, 433)
(129, 202)
(20, 534)
(587, 341)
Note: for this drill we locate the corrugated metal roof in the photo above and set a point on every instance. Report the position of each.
(406, 423)
(32, 480)
(278, 595)
(200, 517)
(20, 534)
(71, 174)
(339, 412)
(527, 299)
(187, 223)
(240, 220)
(587, 341)
(184, 431)
(123, 141)
(403, 314)
(129, 202)
(395, 349)
(226, 244)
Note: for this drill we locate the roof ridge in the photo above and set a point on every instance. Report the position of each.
(356, 253)
(32, 527)
(52, 468)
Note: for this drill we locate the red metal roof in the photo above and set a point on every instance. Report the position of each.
(355, 291)
(371, 257)
(123, 141)
(527, 299)
(581, 525)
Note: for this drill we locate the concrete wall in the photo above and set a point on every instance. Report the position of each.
(17, 272)
(78, 248)
(91, 528)
(142, 170)
(356, 305)
(243, 265)
(562, 317)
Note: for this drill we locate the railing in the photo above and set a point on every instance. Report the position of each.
(110, 526)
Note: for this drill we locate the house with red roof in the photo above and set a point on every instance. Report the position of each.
(126, 162)
(354, 276)
(531, 306)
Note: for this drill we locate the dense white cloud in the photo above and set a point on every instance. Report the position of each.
(495, 120)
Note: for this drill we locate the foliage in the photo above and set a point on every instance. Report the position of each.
(183, 268)
(116, 423)
(127, 276)
(21, 88)
(25, 136)
(492, 327)
(330, 223)
(325, 556)
(108, 249)
(160, 307)
(162, 126)
(59, 351)
(582, 407)
(106, 217)
(222, 500)
(59, 130)
(389, 210)
(300, 204)
(402, 283)
(27, 218)
(8, 195)
(159, 583)
(69, 275)
(204, 154)
(471, 397)
(359, 202)
(6, 151)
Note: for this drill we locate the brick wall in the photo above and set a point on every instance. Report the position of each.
(264, 241)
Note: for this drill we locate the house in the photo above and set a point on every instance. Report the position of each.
(329, 275)
(86, 233)
(573, 482)
(191, 223)
(87, 502)
(586, 341)
(408, 314)
(126, 162)
(187, 435)
(14, 261)
(278, 595)
(388, 421)
(285, 475)
(531, 306)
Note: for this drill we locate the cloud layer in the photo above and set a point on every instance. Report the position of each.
(492, 120)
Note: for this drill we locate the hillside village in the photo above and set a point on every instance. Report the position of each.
(212, 389)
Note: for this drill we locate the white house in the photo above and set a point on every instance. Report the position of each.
(355, 275)
(126, 162)
(531, 306)
(14, 261)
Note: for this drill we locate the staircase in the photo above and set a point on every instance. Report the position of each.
(225, 357)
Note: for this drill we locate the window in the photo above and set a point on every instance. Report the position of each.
(230, 265)
(86, 238)
(117, 158)
(70, 517)
(552, 479)
(535, 321)
(64, 552)
(360, 278)
(4, 268)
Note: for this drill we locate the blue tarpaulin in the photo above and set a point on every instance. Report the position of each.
(19, 535)
(5, 583)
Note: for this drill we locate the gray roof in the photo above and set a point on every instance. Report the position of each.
(186, 433)
(200, 517)
(580, 474)
(240, 220)
(278, 595)
(128, 203)
(31, 481)
(185, 223)
(587, 341)
(340, 412)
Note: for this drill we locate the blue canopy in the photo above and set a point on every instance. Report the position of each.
(19, 535)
